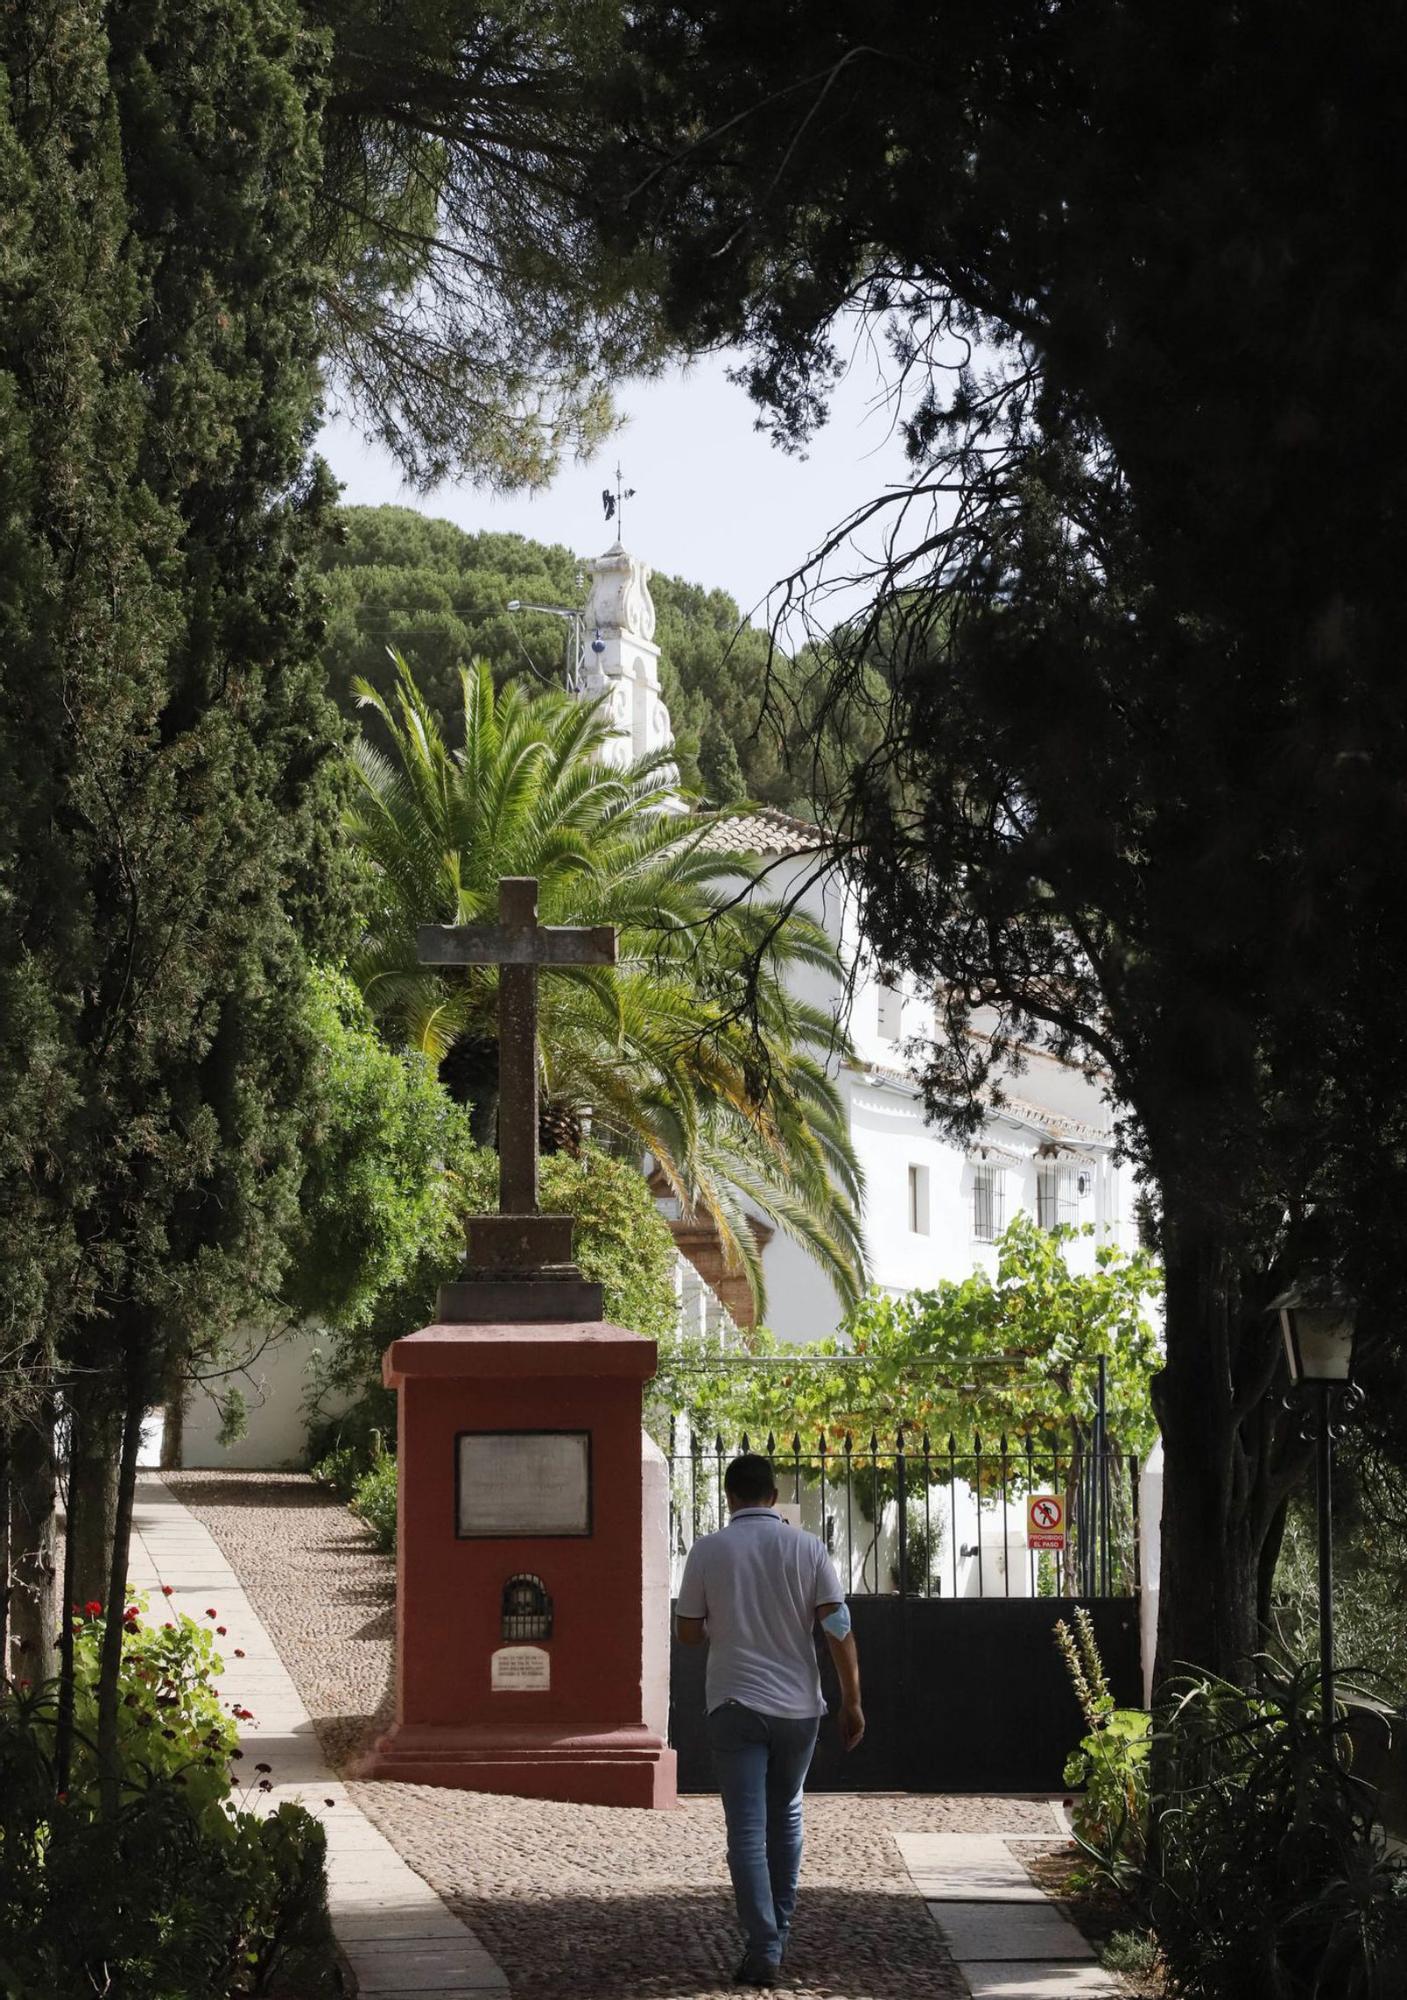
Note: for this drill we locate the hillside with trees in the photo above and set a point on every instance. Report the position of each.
(439, 595)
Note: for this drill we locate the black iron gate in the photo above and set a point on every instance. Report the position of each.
(959, 1697)
(954, 1610)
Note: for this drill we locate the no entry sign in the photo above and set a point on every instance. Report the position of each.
(1045, 1521)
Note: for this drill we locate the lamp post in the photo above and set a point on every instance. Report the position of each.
(1318, 1323)
(575, 641)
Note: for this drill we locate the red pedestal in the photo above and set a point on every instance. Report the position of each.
(588, 1736)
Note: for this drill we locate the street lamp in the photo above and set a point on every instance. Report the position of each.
(1318, 1322)
(575, 640)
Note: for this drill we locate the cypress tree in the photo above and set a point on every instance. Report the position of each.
(165, 782)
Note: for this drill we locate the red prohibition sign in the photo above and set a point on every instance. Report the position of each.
(1045, 1513)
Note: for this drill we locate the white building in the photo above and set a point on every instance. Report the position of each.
(933, 1209)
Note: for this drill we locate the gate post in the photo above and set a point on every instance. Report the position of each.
(1150, 1537)
(901, 1482)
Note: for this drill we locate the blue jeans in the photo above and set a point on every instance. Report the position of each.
(761, 1762)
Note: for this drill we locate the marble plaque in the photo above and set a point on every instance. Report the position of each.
(520, 1670)
(523, 1483)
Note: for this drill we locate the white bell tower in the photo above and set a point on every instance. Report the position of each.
(622, 660)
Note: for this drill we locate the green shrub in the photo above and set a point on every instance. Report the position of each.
(1110, 1764)
(1133, 1952)
(374, 1500)
(620, 1241)
(1370, 1590)
(1269, 1877)
(171, 1724)
(341, 1468)
(179, 1892)
(354, 1436)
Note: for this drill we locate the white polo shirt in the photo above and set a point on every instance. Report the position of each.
(758, 1582)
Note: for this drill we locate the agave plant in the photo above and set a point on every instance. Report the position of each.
(695, 1049)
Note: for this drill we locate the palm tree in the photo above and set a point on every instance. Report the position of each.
(694, 1047)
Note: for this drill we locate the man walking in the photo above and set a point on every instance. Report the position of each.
(755, 1591)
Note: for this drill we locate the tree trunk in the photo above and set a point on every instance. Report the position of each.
(173, 1417)
(1265, 1575)
(92, 1488)
(115, 1596)
(63, 1727)
(34, 1536)
(1207, 1606)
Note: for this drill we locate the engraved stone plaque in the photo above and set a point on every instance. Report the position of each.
(523, 1483)
(520, 1670)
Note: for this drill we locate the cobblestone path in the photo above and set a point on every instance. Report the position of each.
(578, 1900)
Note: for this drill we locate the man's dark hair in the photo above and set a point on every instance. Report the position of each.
(750, 1480)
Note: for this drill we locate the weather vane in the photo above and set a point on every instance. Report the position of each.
(613, 504)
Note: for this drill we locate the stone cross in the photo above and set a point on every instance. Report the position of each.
(520, 946)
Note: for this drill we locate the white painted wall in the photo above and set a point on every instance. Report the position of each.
(1051, 1102)
(1150, 1548)
(274, 1384)
(655, 1582)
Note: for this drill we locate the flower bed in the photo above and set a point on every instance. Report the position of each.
(182, 1889)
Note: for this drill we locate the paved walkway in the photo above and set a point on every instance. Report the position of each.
(903, 1897)
(400, 1939)
(1009, 1941)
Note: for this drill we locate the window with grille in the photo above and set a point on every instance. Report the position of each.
(918, 1200)
(1057, 1194)
(986, 1203)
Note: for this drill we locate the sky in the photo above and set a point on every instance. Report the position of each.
(715, 501)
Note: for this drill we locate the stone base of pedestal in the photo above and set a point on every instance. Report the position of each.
(609, 1767)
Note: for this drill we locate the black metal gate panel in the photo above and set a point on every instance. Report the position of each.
(961, 1695)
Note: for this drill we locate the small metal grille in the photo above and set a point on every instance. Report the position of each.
(527, 1609)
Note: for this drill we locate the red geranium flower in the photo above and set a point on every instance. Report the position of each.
(167, 1588)
(93, 1608)
(210, 1611)
(239, 1652)
(221, 1630)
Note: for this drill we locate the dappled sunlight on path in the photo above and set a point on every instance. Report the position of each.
(609, 1904)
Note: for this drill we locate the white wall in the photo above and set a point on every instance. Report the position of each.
(273, 1383)
(1053, 1103)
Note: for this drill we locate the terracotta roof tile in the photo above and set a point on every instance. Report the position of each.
(763, 830)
